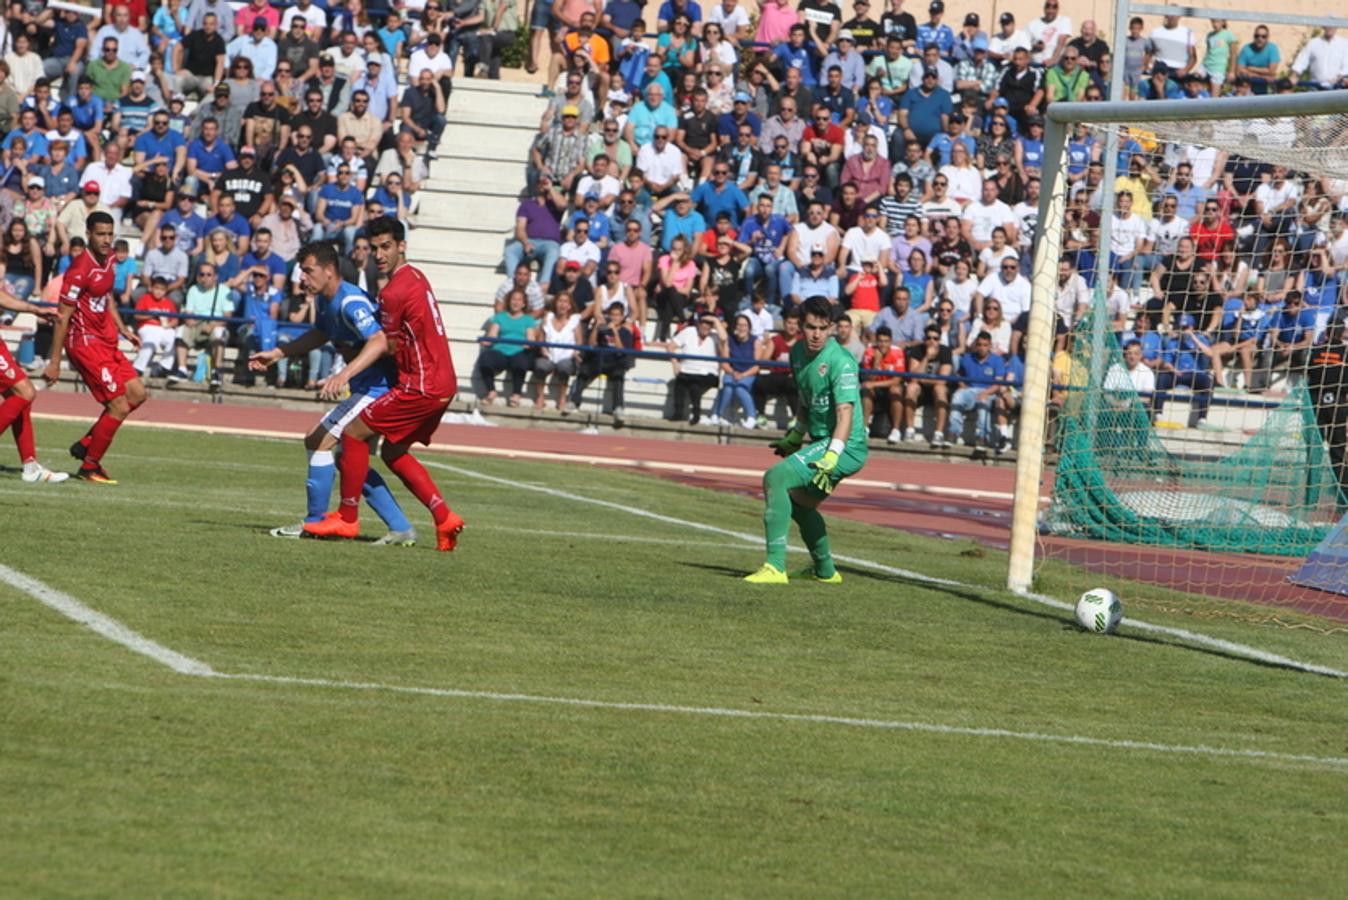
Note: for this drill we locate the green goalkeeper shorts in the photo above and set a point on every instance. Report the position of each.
(850, 462)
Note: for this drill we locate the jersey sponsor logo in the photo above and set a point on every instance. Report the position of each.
(823, 369)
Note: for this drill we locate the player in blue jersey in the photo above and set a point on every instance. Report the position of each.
(346, 317)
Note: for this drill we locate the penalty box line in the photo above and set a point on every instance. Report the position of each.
(111, 629)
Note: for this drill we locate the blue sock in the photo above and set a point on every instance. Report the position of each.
(318, 486)
(381, 500)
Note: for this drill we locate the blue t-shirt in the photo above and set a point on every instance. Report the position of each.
(254, 306)
(644, 121)
(764, 237)
(67, 34)
(943, 143)
(729, 200)
(391, 40)
(391, 205)
(237, 226)
(122, 270)
(978, 373)
(75, 143)
(924, 113)
(1250, 55)
(1079, 155)
(622, 13)
(512, 330)
(190, 228)
(35, 142)
(349, 319)
(1032, 151)
(805, 58)
(1319, 292)
(341, 204)
(690, 226)
(691, 9)
(87, 115)
(726, 126)
(211, 160)
(275, 265)
(941, 35)
(876, 111)
(600, 227)
(153, 145)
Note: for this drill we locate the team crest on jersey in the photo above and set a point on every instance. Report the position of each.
(823, 369)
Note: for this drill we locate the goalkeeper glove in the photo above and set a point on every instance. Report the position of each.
(788, 444)
(823, 469)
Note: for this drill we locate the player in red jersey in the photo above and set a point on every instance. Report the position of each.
(411, 411)
(87, 328)
(16, 400)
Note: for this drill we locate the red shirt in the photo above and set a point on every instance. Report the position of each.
(833, 134)
(710, 237)
(87, 286)
(893, 361)
(1210, 241)
(147, 303)
(409, 315)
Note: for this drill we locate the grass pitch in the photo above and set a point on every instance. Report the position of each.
(120, 776)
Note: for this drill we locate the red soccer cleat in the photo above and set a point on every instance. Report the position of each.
(333, 526)
(447, 533)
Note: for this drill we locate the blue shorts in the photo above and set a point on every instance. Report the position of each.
(542, 16)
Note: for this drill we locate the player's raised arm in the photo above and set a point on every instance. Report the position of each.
(310, 340)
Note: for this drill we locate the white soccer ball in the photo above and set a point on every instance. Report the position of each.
(1099, 610)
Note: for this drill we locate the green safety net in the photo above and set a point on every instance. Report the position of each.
(1264, 486)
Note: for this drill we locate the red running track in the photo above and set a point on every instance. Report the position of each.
(931, 497)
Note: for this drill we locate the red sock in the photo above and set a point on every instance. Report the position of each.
(23, 436)
(100, 438)
(354, 466)
(11, 413)
(418, 481)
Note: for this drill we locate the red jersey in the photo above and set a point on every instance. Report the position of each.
(1208, 242)
(893, 361)
(148, 304)
(408, 314)
(87, 286)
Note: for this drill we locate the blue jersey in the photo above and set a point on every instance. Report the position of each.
(349, 319)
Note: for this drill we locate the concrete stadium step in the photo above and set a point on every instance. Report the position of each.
(469, 212)
(481, 247)
(479, 142)
(507, 117)
(456, 280)
(493, 177)
(474, 86)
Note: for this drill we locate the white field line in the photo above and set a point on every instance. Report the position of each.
(818, 719)
(549, 456)
(1180, 633)
(115, 631)
(106, 626)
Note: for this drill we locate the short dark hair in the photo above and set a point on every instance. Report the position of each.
(322, 253)
(386, 225)
(883, 331)
(817, 306)
(98, 217)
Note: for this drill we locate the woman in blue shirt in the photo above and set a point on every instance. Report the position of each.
(737, 375)
(512, 326)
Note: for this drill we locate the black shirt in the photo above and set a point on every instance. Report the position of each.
(820, 16)
(865, 30)
(1018, 88)
(838, 104)
(310, 164)
(699, 132)
(900, 25)
(267, 123)
(1093, 52)
(248, 187)
(323, 125)
(200, 52)
(918, 361)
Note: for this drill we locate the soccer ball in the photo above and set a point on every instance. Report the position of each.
(1099, 610)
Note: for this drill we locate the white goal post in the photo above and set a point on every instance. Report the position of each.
(1060, 118)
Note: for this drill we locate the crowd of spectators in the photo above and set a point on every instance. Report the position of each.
(220, 137)
(701, 170)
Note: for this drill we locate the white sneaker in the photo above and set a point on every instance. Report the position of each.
(939, 440)
(909, 435)
(750, 424)
(292, 532)
(711, 420)
(895, 436)
(40, 474)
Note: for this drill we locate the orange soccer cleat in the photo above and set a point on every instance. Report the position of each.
(333, 526)
(447, 533)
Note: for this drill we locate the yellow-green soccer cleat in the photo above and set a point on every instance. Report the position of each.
(808, 572)
(768, 574)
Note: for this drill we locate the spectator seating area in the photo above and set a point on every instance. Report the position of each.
(689, 164)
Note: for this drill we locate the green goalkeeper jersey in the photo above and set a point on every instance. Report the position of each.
(825, 380)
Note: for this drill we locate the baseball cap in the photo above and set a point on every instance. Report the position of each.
(936, 6)
(980, 43)
(247, 150)
(35, 180)
(743, 97)
(817, 248)
(260, 22)
(178, 97)
(91, 186)
(222, 89)
(1006, 18)
(930, 72)
(138, 75)
(971, 19)
(289, 197)
(1035, 120)
(325, 59)
(591, 195)
(847, 35)
(1001, 103)
(570, 110)
(374, 61)
(571, 265)
(1186, 321)
(433, 38)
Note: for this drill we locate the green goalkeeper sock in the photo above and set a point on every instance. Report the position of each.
(815, 534)
(777, 484)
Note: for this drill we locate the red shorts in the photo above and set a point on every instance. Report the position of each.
(10, 373)
(104, 369)
(405, 417)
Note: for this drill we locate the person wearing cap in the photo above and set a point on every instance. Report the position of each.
(257, 47)
(934, 31)
(382, 95)
(849, 61)
(1003, 44)
(228, 118)
(70, 222)
(132, 48)
(741, 115)
(932, 60)
(185, 221)
(335, 88)
(573, 95)
(977, 76)
(964, 40)
(824, 20)
(925, 112)
(865, 30)
(38, 212)
(1159, 85)
(817, 278)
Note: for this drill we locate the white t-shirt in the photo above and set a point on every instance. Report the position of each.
(607, 186)
(661, 167)
(1139, 378)
(1127, 234)
(730, 22)
(807, 237)
(1165, 235)
(1271, 196)
(860, 245)
(960, 293)
(982, 218)
(113, 184)
(760, 320)
(314, 18)
(581, 253)
(421, 60)
(992, 259)
(1000, 334)
(1014, 295)
(555, 332)
(1071, 297)
(688, 341)
(1172, 45)
(965, 183)
(851, 147)
(1048, 33)
(1027, 222)
(1203, 160)
(1005, 46)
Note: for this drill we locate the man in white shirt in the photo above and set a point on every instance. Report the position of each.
(315, 19)
(815, 230)
(599, 181)
(1175, 46)
(1325, 59)
(581, 251)
(1049, 34)
(1163, 234)
(1128, 231)
(661, 163)
(1276, 203)
(865, 241)
(131, 46)
(1008, 40)
(732, 18)
(1026, 214)
(1132, 374)
(1008, 287)
(1074, 297)
(693, 376)
(985, 214)
(113, 178)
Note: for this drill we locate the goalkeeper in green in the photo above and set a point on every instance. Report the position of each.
(830, 421)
